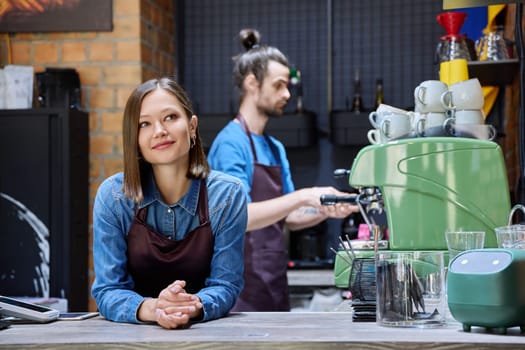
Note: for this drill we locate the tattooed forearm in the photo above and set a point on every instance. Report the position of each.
(308, 211)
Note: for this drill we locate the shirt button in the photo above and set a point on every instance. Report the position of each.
(169, 210)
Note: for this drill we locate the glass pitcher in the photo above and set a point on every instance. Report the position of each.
(452, 47)
(492, 46)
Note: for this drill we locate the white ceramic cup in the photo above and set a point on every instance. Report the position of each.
(376, 137)
(469, 116)
(431, 124)
(377, 116)
(388, 108)
(417, 120)
(469, 123)
(466, 94)
(435, 119)
(427, 96)
(396, 125)
(477, 131)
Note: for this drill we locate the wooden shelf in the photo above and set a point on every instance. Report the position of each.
(496, 73)
(458, 4)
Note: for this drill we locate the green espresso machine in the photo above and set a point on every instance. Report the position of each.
(429, 186)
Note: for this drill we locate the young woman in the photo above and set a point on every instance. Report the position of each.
(168, 232)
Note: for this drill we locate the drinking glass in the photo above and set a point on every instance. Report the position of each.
(459, 241)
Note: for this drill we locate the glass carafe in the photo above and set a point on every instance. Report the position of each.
(452, 47)
(492, 46)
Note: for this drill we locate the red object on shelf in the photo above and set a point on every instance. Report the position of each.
(452, 21)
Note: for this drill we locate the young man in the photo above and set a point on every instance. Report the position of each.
(243, 150)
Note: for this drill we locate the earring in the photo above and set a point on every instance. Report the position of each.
(193, 141)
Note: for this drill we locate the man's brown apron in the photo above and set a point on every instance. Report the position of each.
(265, 256)
(155, 261)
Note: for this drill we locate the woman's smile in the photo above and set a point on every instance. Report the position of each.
(162, 145)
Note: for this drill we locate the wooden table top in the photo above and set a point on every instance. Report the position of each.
(291, 330)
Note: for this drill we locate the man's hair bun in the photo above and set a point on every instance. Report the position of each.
(249, 38)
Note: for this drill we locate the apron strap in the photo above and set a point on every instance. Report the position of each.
(141, 213)
(203, 203)
(273, 149)
(244, 127)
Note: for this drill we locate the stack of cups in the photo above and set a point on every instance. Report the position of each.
(430, 114)
(464, 102)
(389, 123)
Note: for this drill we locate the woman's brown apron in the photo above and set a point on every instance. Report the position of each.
(155, 261)
(265, 256)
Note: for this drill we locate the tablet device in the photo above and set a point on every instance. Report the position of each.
(4, 324)
(67, 316)
(27, 311)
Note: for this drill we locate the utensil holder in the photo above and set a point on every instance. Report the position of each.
(410, 289)
(363, 280)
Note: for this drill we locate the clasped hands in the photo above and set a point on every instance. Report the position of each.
(174, 308)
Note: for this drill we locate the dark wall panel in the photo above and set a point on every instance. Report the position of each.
(393, 40)
(296, 27)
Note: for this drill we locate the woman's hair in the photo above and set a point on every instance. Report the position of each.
(136, 168)
(255, 59)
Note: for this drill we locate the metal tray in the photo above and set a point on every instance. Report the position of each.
(365, 245)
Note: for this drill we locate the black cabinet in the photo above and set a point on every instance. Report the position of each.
(349, 129)
(292, 129)
(44, 198)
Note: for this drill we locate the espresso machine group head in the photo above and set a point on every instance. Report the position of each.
(433, 185)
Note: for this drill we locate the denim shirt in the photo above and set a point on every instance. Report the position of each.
(113, 213)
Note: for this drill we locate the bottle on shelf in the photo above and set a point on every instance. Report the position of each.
(295, 80)
(380, 97)
(299, 93)
(357, 102)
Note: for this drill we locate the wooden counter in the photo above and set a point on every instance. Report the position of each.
(319, 330)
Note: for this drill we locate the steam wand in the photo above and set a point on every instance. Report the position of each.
(369, 196)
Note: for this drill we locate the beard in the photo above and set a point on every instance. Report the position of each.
(273, 111)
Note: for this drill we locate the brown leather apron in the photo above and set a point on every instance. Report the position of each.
(265, 256)
(155, 261)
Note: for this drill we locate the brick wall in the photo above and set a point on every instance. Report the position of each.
(110, 65)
